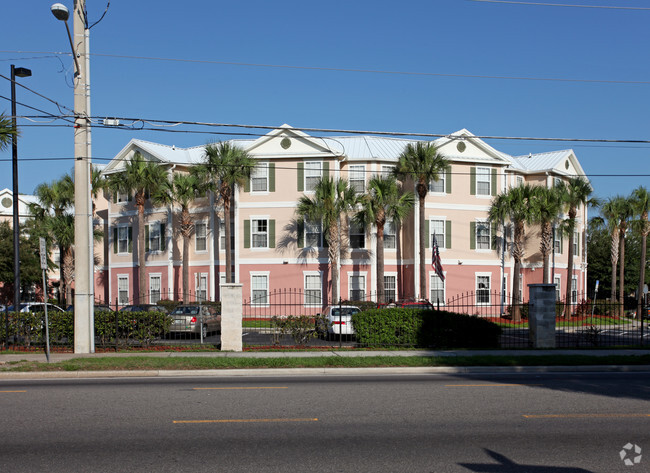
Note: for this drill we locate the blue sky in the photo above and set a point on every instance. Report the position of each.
(453, 38)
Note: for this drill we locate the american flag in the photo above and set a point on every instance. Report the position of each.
(436, 264)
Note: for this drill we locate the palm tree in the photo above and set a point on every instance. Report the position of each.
(546, 207)
(610, 217)
(641, 206)
(514, 205)
(384, 202)
(332, 200)
(225, 166)
(575, 192)
(181, 190)
(139, 177)
(423, 163)
(6, 131)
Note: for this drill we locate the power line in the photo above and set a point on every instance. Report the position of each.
(356, 70)
(59, 106)
(561, 5)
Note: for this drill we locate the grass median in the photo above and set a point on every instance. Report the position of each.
(135, 363)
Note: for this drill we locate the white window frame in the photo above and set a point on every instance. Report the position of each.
(152, 278)
(157, 227)
(358, 232)
(310, 229)
(519, 181)
(574, 289)
(360, 276)
(257, 276)
(489, 288)
(386, 170)
(484, 176)
(259, 232)
(557, 242)
(574, 242)
(357, 177)
(438, 186)
(121, 198)
(201, 287)
(313, 172)
(434, 279)
(557, 280)
(314, 293)
(387, 298)
(440, 236)
(123, 236)
(198, 238)
(259, 175)
(390, 235)
(485, 224)
(123, 280)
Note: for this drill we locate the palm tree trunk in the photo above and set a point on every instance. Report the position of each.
(68, 273)
(226, 212)
(142, 270)
(569, 278)
(621, 274)
(614, 259)
(186, 267)
(423, 236)
(516, 296)
(380, 264)
(333, 250)
(547, 236)
(644, 239)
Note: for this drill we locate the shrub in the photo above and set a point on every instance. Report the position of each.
(300, 327)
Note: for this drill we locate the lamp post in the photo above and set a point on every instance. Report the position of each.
(84, 338)
(16, 72)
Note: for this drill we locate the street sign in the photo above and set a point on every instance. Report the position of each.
(41, 240)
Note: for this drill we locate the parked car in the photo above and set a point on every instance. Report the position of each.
(337, 320)
(70, 308)
(36, 307)
(423, 304)
(194, 319)
(144, 308)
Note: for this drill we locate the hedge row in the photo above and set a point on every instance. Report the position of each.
(424, 328)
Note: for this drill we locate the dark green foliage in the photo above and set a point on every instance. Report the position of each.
(301, 328)
(30, 264)
(424, 328)
(362, 305)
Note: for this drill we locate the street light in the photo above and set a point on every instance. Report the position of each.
(84, 337)
(16, 72)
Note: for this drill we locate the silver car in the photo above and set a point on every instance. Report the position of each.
(195, 319)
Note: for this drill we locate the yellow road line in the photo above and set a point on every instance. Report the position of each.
(487, 385)
(581, 416)
(13, 391)
(252, 387)
(234, 421)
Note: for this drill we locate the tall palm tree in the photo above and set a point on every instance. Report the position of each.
(225, 166)
(610, 211)
(641, 206)
(181, 190)
(514, 205)
(575, 192)
(383, 202)
(6, 131)
(423, 163)
(332, 200)
(139, 177)
(546, 206)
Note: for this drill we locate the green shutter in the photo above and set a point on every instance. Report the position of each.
(448, 180)
(163, 237)
(472, 178)
(472, 235)
(115, 240)
(301, 234)
(494, 181)
(301, 177)
(271, 233)
(271, 177)
(130, 240)
(561, 243)
(146, 238)
(493, 236)
(247, 185)
(247, 233)
(448, 234)
(577, 244)
(427, 238)
(326, 169)
(115, 197)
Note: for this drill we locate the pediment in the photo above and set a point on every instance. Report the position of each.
(464, 146)
(287, 142)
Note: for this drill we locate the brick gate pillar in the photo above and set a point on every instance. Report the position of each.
(541, 315)
(231, 317)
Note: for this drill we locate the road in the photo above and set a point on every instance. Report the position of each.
(566, 423)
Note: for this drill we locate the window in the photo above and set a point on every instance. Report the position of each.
(201, 282)
(154, 241)
(222, 235)
(483, 181)
(123, 289)
(557, 182)
(122, 197)
(313, 295)
(390, 288)
(313, 234)
(357, 288)
(259, 233)
(574, 290)
(358, 178)
(558, 293)
(123, 239)
(439, 185)
(260, 178)
(387, 171)
(313, 172)
(260, 289)
(557, 241)
(575, 244)
(437, 290)
(482, 236)
(437, 228)
(200, 236)
(154, 288)
(482, 289)
(520, 181)
(390, 236)
(357, 235)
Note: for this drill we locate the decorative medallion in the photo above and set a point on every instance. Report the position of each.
(461, 146)
(285, 143)
(6, 202)
(566, 164)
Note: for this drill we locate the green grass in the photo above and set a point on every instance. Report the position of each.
(198, 363)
